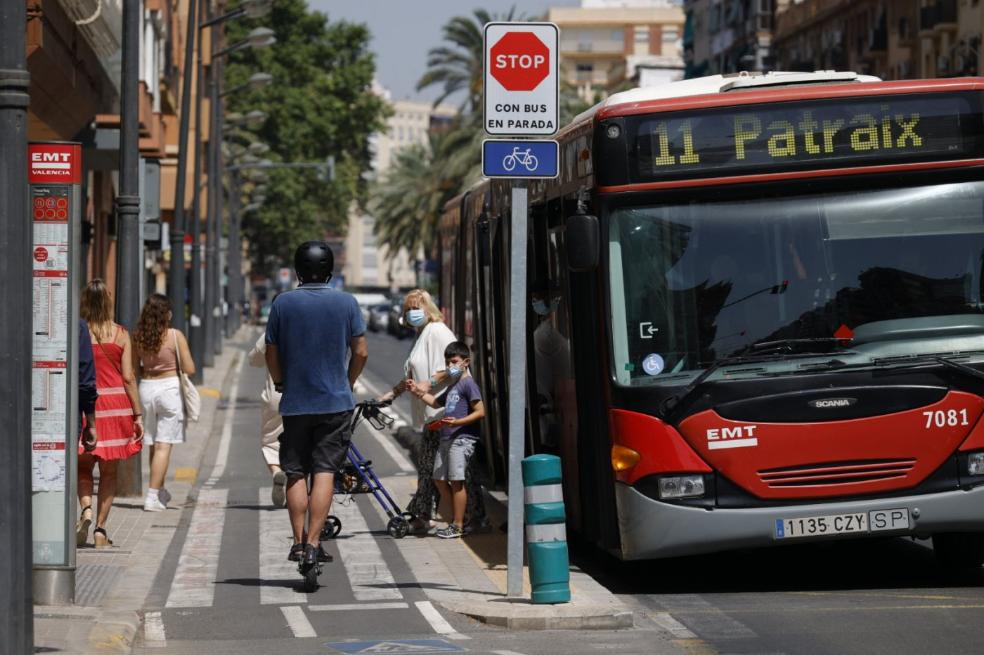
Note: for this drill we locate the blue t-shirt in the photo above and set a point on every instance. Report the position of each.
(311, 327)
(457, 402)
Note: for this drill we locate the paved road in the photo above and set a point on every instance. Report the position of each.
(226, 587)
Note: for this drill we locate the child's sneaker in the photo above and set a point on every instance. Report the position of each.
(279, 491)
(154, 505)
(450, 532)
(164, 496)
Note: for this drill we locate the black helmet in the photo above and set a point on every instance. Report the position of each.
(313, 262)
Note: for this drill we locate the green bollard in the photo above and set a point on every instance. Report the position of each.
(546, 531)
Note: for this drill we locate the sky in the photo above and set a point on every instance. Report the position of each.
(404, 30)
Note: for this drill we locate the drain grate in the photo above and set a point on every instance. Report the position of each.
(92, 581)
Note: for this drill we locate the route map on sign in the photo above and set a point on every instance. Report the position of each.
(521, 79)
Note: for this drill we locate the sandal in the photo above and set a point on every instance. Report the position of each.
(100, 538)
(82, 526)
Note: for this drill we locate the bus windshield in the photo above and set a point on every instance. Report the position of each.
(697, 282)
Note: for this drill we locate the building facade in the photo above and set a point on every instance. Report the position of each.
(728, 36)
(608, 44)
(900, 39)
(366, 263)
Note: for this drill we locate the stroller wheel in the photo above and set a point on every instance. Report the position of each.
(410, 517)
(331, 528)
(398, 527)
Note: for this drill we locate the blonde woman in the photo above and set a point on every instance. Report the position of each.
(426, 367)
(117, 415)
(158, 347)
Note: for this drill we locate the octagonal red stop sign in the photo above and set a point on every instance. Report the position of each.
(520, 61)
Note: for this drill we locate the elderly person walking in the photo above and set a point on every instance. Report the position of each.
(117, 411)
(271, 425)
(426, 367)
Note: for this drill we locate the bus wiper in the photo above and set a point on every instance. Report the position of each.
(670, 403)
(788, 345)
(969, 371)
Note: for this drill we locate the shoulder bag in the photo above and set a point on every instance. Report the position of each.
(189, 394)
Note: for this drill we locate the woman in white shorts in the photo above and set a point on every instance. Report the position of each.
(157, 347)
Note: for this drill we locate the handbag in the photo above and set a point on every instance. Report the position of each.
(189, 393)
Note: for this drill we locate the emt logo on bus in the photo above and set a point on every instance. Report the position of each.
(802, 135)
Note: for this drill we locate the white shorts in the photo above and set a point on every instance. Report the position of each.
(163, 410)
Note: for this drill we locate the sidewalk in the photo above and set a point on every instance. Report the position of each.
(468, 576)
(112, 585)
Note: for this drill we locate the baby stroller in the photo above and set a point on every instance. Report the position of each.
(358, 476)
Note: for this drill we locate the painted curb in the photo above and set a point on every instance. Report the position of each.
(525, 616)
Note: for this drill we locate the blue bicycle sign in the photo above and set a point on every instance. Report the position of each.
(519, 159)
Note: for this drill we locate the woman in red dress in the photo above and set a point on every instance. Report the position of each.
(119, 426)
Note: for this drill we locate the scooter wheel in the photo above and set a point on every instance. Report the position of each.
(398, 527)
(311, 579)
(331, 527)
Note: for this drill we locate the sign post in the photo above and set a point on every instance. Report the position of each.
(55, 177)
(521, 99)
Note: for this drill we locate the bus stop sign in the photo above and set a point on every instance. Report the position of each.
(521, 81)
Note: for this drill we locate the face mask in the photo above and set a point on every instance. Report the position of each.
(454, 371)
(542, 308)
(416, 317)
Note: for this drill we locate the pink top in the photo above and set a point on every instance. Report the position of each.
(164, 360)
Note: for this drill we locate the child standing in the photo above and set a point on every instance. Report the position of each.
(460, 431)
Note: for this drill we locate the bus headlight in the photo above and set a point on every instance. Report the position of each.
(681, 486)
(975, 463)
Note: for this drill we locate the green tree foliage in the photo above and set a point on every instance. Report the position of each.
(319, 105)
(454, 159)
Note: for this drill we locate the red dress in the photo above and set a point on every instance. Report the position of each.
(114, 414)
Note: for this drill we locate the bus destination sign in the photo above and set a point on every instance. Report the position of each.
(800, 135)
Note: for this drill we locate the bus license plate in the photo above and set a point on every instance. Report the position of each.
(815, 526)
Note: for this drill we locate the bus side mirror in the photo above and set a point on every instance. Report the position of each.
(582, 242)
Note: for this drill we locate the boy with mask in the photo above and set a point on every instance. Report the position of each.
(460, 430)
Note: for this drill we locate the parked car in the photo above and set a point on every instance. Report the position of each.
(378, 317)
(396, 326)
(366, 300)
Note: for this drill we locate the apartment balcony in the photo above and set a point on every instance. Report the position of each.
(946, 16)
(573, 47)
(928, 17)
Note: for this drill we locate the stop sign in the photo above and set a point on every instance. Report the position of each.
(520, 61)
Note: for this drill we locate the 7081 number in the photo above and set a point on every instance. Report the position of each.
(950, 418)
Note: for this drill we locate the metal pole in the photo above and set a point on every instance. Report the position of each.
(177, 272)
(517, 388)
(213, 338)
(234, 258)
(196, 331)
(129, 264)
(16, 585)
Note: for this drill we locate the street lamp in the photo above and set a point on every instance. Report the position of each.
(255, 82)
(258, 148)
(260, 37)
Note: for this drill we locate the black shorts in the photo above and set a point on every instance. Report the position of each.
(315, 443)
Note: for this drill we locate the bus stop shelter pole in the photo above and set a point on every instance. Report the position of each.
(517, 388)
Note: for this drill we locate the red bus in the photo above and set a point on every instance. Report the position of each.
(755, 313)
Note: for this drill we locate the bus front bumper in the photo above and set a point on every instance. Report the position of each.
(651, 529)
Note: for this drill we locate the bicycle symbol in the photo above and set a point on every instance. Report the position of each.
(524, 157)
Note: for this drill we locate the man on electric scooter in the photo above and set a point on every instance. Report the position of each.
(310, 332)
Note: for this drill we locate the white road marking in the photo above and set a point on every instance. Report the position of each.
(358, 606)
(218, 470)
(437, 621)
(154, 636)
(506, 652)
(298, 622)
(666, 621)
(194, 580)
(368, 574)
(387, 444)
(278, 575)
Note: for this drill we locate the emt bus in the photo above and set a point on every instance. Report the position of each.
(755, 313)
